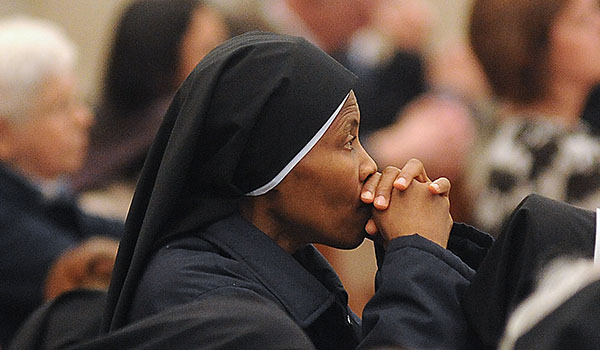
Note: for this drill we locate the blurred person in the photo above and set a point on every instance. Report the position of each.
(212, 322)
(541, 60)
(48, 244)
(156, 44)
(395, 25)
(386, 85)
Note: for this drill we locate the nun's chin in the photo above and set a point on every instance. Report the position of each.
(348, 245)
(358, 243)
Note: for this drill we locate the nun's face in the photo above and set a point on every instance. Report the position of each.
(319, 200)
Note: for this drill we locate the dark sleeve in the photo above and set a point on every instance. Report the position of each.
(31, 243)
(469, 244)
(64, 214)
(72, 317)
(538, 231)
(417, 300)
(98, 226)
(28, 249)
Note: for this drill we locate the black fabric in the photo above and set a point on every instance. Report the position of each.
(416, 305)
(539, 231)
(469, 244)
(223, 135)
(34, 232)
(465, 241)
(242, 321)
(69, 319)
(572, 325)
(231, 257)
(591, 112)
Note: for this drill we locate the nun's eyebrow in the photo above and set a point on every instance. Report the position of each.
(348, 125)
(351, 124)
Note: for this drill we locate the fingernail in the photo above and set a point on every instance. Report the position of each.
(380, 201)
(436, 187)
(401, 181)
(370, 228)
(368, 195)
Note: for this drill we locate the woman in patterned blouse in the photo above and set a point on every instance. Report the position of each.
(541, 58)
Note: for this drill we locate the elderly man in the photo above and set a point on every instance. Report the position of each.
(46, 247)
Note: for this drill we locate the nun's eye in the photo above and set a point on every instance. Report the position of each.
(350, 142)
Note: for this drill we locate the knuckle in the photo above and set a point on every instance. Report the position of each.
(415, 161)
(373, 179)
(391, 169)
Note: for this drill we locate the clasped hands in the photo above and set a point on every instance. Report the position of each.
(406, 202)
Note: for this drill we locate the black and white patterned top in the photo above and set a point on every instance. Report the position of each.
(535, 155)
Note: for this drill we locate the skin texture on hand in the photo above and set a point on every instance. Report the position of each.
(433, 200)
(415, 211)
(88, 265)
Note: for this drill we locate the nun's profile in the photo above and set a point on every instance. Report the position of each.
(258, 157)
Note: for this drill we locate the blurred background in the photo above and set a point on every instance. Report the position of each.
(429, 27)
(415, 64)
(90, 24)
(502, 97)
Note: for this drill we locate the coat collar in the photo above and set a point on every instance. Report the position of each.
(305, 283)
(14, 187)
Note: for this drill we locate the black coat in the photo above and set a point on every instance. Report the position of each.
(417, 302)
(34, 232)
(539, 231)
(72, 321)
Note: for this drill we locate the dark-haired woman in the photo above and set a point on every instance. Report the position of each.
(540, 57)
(157, 43)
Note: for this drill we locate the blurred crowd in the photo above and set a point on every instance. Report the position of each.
(509, 109)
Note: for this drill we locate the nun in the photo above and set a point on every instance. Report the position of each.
(258, 158)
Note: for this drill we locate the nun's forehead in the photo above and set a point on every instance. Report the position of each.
(349, 109)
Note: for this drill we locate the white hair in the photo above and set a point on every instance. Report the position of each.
(31, 51)
(562, 280)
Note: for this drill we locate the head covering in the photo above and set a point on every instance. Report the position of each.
(539, 231)
(563, 311)
(572, 325)
(242, 117)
